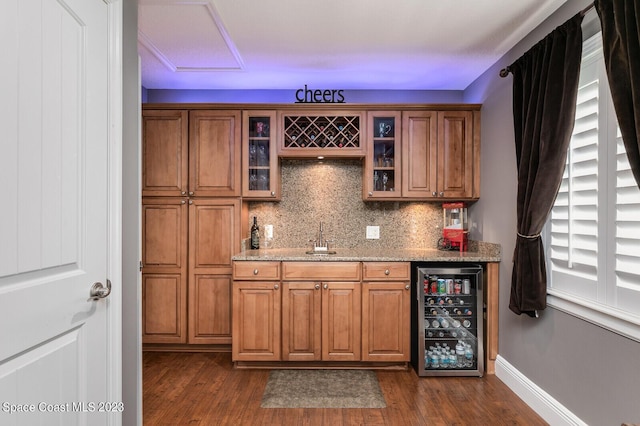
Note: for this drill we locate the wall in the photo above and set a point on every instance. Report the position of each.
(592, 372)
(331, 192)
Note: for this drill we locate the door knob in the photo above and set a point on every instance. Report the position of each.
(98, 291)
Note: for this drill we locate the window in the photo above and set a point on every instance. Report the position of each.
(592, 237)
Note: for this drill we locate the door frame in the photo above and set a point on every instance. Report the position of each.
(114, 204)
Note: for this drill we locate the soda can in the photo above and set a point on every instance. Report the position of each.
(466, 286)
(434, 285)
(457, 286)
(449, 286)
(442, 286)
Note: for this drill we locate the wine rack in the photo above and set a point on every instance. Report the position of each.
(322, 132)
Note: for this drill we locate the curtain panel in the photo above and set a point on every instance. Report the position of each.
(621, 46)
(545, 88)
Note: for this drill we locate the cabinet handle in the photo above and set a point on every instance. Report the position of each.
(276, 286)
(255, 272)
(190, 202)
(190, 192)
(317, 286)
(370, 194)
(273, 193)
(434, 193)
(386, 272)
(183, 193)
(407, 287)
(326, 286)
(183, 202)
(442, 194)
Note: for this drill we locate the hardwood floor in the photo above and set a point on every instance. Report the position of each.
(204, 389)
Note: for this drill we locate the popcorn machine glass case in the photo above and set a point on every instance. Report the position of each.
(455, 229)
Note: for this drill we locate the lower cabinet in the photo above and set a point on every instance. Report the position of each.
(321, 311)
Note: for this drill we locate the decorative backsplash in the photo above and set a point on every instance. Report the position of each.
(331, 192)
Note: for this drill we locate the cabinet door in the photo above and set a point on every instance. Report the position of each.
(386, 321)
(214, 236)
(210, 309)
(382, 172)
(341, 310)
(260, 165)
(301, 321)
(164, 272)
(214, 153)
(256, 321)
(455, 154)
(419, 154)
(164, 152)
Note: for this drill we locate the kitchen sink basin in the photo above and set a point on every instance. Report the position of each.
(320, 252)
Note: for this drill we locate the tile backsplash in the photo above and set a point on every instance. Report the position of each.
(331, 192)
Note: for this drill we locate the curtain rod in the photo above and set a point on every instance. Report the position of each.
(505, 71)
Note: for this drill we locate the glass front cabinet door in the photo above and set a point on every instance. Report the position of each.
(260, 178)
(382, 168)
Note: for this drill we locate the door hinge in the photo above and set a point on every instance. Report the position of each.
(141, 266)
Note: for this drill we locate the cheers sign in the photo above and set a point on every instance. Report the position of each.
(308, 96)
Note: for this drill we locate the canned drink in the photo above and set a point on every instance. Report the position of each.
(457, 287)
(434, 286)
(442, 286)
(466, 286)
(449, 286)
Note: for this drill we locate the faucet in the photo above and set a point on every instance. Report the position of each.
(320, 243)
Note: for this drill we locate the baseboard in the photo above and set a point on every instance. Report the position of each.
(540, 401)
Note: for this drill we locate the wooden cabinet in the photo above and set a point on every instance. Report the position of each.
(386, 311)
(164, 278)
(165, 138)
(441, 154)
(214, 236)
(382, 169)
(321, 316)
(256, 311)
(187, 248)
(180, 149)
(260, 165)
(214, 153)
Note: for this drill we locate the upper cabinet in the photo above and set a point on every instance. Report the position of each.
(382, 171)
(322, 134)
(441, 154)
(260, 165)
(194, 153)
(165, 138)
(214, 153)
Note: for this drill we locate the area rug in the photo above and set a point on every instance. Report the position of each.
(322, 389)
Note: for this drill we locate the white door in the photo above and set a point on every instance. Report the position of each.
(59, 356)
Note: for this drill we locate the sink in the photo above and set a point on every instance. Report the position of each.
(320, 252)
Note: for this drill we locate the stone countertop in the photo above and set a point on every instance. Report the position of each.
(484, 252)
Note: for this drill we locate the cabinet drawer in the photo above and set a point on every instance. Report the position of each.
(256, 270)
(386, 271)
(320, 271)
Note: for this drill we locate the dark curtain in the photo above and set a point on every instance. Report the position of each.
(545, 88)
(621, 46)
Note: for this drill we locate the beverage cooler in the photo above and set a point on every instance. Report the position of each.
(447, 322)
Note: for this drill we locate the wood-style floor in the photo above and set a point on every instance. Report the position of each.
(204, 389)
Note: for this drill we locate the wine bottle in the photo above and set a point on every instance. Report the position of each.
(255, 235)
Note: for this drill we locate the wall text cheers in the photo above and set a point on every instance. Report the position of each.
(307, 95)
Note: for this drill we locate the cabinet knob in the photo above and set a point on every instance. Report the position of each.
(317, 286)
(255, 272)
(190, 202)
(407, 287)
(183, 202)
(184, 193)
(442, 194)
(276, 286)
(273, 193)
(370, 194)
(387, 272)
(326, 286)
(190, 192)
(434, 193)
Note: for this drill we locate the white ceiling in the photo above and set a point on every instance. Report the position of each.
(329, 44)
